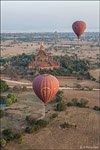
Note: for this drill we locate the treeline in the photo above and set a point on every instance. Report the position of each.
(18, 61)
(69, 65)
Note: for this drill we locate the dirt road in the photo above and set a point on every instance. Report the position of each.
(12, 83)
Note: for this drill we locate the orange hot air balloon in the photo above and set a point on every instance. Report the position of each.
(79, 28)
(45, 87)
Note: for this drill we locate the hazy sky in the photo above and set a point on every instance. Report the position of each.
(40, 16)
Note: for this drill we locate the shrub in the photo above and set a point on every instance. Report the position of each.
(61, 106)
(78, 86)
(2, 113)
(3, 86)
(93, 79)
(59, 96)
(68, 125)
(75, 101)
(36, 125)
(8, 102)
(54, 115)
(8, 134)
(83, 102)
(64, 125)
(96, 108)
(12, 96)
(18, 137)
(41, 123)
(30, 120)
(17, 88)
(32, 129)
(29, 130)
(24, 88)
(82, 88)
(90, 88)
(2, 100)
(3, 143)
(69, 104)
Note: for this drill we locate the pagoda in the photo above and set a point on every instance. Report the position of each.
(43, 61)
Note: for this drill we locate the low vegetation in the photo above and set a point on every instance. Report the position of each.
(59, 96)
(74, 102)
(35, 125)
(70, 65)
(2, 113)
(9, 135)
(3, 86)
(96, 108)
(55, 115)
(10, 99)
(61, 106)
(3, 143)
(67, 125)
(19, 89)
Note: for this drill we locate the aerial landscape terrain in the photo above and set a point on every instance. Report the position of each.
(50, 75)
(83, 121)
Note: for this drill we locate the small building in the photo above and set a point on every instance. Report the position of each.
(43, 61)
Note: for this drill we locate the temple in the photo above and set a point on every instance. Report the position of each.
(43, 61)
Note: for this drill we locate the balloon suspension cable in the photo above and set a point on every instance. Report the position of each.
(45, 105)
(78, 41)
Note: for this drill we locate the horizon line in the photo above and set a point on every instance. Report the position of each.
(47, 32)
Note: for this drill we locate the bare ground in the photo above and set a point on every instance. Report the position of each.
(53, 137)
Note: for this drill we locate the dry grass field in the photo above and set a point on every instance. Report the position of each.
(91, 96)
(10, 48)
(74, 82)
(85, 135)
(95, 73)
(53, 137)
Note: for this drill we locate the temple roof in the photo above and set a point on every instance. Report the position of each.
(42, 47)
(42, 60)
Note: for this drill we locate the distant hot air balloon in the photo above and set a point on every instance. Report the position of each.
(79, 28)
(45, 87)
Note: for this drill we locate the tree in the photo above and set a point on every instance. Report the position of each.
(96, 108)
(75, 101)
(29, 129)
(8, 101)
(13, 97)
(18, 137)
(3, 86)
(61, 106)
(83, 102)
(59, 96)
(54, 116)
(17, 88)
(2, 113)
(3, 143)
(8, 134)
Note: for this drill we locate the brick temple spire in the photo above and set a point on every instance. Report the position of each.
(43, 60)
(42, 47)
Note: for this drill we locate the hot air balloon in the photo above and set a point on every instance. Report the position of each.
(79, 28)
(45, 87)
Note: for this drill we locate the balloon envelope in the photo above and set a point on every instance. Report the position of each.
(79, 28)
(45, 87)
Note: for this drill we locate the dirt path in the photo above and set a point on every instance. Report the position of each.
(29, 85)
